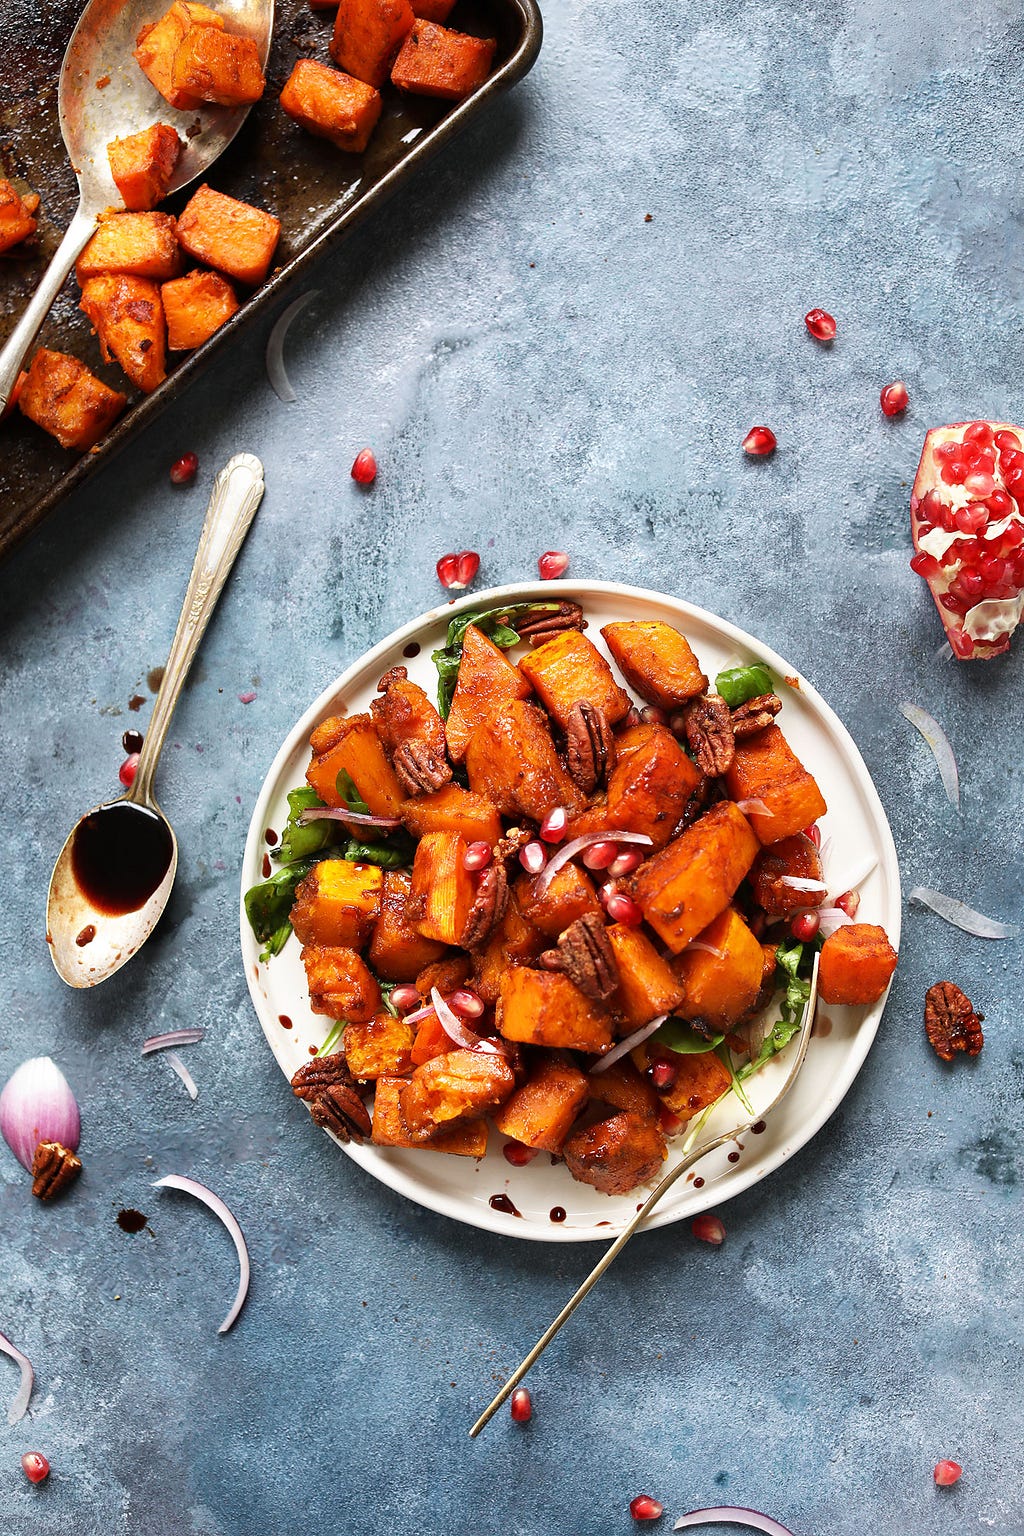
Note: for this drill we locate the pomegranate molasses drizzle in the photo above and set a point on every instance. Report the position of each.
(120, 854)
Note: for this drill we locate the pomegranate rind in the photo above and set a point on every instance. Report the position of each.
(984, 631)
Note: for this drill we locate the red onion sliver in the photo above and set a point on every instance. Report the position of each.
(418, 1016)
(456, 1030)
(570, 850)
(831, 918)
(709, 949)
(625, 1046)
(965, 918)
(732, 1515)
(342, 813)
(798, 883)
(753, 807)
(172, 1038)
(175, 1062)
(279, 381)
(19, 1405)
(854, 877)
(216, 1205)
(941, 750)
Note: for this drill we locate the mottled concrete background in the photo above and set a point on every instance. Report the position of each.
(536, 366)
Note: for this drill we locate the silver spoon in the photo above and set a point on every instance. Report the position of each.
(115, 872)
(90, 117)
(802, 1039)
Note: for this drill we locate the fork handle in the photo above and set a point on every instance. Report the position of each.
(50, 284)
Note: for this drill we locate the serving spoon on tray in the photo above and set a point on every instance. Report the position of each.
(800, 1051)
(104, 95)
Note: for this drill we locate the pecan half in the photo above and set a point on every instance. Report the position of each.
(755, 715)
(488, 907)
(54, 1167)
(538, 627)
(419, 769)
(341, 1110)
(590, 745)
(512, 843)
(709, 730)
(950, 1021)
(586, 956)
(314, 1077)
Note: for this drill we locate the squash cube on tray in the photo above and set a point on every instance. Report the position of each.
(766, 768)
(235, 238)
(647, 987)
(195, 306)
(545, 1008)
(60, 395)
(338, 903)
(656, 661)
(397, 951)
(856, 965)
(682, 888)
(468, 1139)
(650, 786)
(367, 36)
(382, 1047)
(128, 318)
(486, 681)
(157, 45)
(217, 67)
(16, 221)
(543, 1111)
(617, 1154)
(720, 988)
(453, 809)
(449, 1089)
(435, 61)
(350, 744)
(134, 244)
(443, 889)
(511, 761)
(568, 670)
(340, 983)
(433, 10)
(331, 105)
(142, 165)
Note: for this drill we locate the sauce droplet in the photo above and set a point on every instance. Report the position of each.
(557, 1213)
(86, 936)
(698, 1182)
(119, 856)
(758, 1129)
(154, 677)
(132, 741)
(410, 650)
(734, 1157)
(503, 1203)
(284, 1021)
(266, 866)
(131, 1221)
(271, 837)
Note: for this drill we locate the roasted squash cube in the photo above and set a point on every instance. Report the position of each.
(511, 761)
(570, 895)
(513, 941)
(468, 1139)
(432, 1039)
(720, 988)
(443, 890)
(367, 35)
(621, 1086)
(656, 661)
(688, 883)
(650, 786)
(541, 1113)
(616, 1155)
(350, 744)
(856, 964)
(411, 732)
(545, 1008)
(138, 244)
(142, 165)
(340, 984)
(218, 67)
(382, 1047)
(453, 809)
(701, 1081)
(791, 859)
(486, 681)
(158, 43)
(647, 985)
(60, 395)
(195, 306)
(332, 105)
(397, 952)
(449, 1089)
(338, 903)
(568, 670)
(435, 61)
(446, 974)
(16, 222)
(236, 238)
(129, 320)
(766, 768)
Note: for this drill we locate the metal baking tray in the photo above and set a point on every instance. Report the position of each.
(317, 192)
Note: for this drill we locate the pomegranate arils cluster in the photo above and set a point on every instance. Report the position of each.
(457, 571)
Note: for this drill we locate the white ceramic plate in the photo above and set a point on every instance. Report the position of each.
(854, 828)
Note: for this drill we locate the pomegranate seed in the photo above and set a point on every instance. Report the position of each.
(670, 1124)
(477, 856)
(971, 519)
(128, 769)
(948, 451)
(457, 571)
(962, 645)
(971, 583)
(820, 324)
(759, 441)
(947, 1473)
(517, 1154)
(814, 833)
(632, 717)
(979, 432)
(466, 1003)
(652, 715)
(999, 503)
(894, 399)
(805, 926)
(623, 909)
(664, 1075)
(677, 724)
(849, 902)
(533, 858)
(708, 1228)
(405, 997)
(992, 568)
(521, 1407)
(552, 564)
(625, 863)
(364, 469)
(643, 1507)
(552, 828)
(971, 455)
(184, 469)
(1006, 439)
(37, 1469)
(600, 855)
(980, 483)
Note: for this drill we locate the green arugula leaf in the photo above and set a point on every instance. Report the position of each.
(268, 906)
(491, 621)
(677, 1035)
(738, 684)
(349, 794)
(300, 839)
(790, 961)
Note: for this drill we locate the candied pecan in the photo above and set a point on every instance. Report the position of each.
(323, 1072)
(512, 843)
(755, 715)
(590, 744)
(586, 956)
(488, 906)
(54, 1167)
(709, 731)
(950, 1021)
(341, 1110)
(538, 627)
(419, 769)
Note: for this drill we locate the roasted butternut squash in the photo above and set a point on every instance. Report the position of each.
(331, 105)
(367, 36)
(60, 395)
(720, 988)
(219, 67)
(701, 1080)
(513, 942)
(411, 733)
(790, 859)
(340, 983)
(16, 222)
(691, 881)
(766, 768)
(656, 661)
(450, 1089)
(856, 964)
(397, 951)
(158, 43)
(453, 809)
(338, 903)
(443, 890)
(568, 670)
(511, 761)
(135, 244)
(350, 744)
(236, 238)
(142, 165)
(569, 895)
(616, 1154)
(382, 1047)
(545, 1008)
(195, 306)
(647, 985)
(435, 61)
(128, 317)
(487, 680)
(650, 786)
(541, 1113)
(468, 1139)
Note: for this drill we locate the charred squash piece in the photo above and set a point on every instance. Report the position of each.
(218, 67)
(650, 786)
(331, 105)
(195, 306)
(138, 244)
(450, 1089)
(513, 942)
(511, 761)
(397, 952)
(856, 964)
(647, 985)
(443, 890)
(621, 1086)
(791, 858)
(486, 681)
(541, 1113)
(656, 661)
(236, 238)
(158, 43)
(340, 984)
(766, 768)
(367, 35)
(452, 809)
(702, 1079)
(721, 988)
(60, 395)
(390, 1130)
(351, 744)
(142, 165)
(688, 883)
(445, 974)
(569, 895)
(382, 1047)
(431, 1040)
(128, 317)
(616, 1155)
(16, 222)
(435, 61)
(568, 670)
(411, 734)
(545, 1008)
(338, 903)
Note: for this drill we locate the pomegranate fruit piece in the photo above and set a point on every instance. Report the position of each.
(947, 1473)
(458, 570)
(759, 441)
(643, 1507)
(364, 470)
(708, 1228)
(521, 1406)
(894, 399)
(967, 523)
(552, 564)
(820, 324)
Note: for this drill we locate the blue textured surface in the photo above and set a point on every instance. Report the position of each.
(536, 366)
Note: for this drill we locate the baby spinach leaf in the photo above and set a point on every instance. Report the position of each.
(397, 853)
(678, 1035)
(738, 684)
(268, 906)
(790, 961)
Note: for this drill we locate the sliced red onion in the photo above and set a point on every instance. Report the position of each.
(219, 1209)
(172, 1038)
(37, 1105)
(625, 1046)
(342, 813)
(19, 1405)
(457, 1031)
(941, 750)
(961, 916)
(419, 1015)
(799, 883)
(570, 850)
(831, 918)
(279, 381)
(174, 1061)
(730, 1514)
(753, 807)
(709, 949)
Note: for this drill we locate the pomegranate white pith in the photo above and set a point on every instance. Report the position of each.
(967, 524)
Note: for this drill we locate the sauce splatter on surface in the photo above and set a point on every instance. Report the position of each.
(131, 1220)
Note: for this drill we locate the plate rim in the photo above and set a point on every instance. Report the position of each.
(482, 1216)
